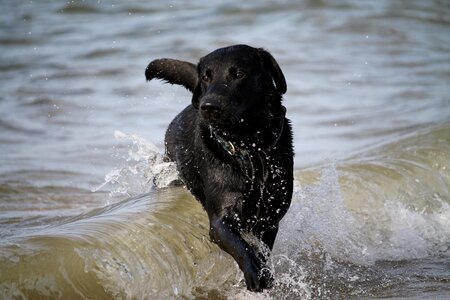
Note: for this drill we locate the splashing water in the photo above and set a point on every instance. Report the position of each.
(145, 169)
(354, 229)
(334, 242)
(330, 241)
(323, 216)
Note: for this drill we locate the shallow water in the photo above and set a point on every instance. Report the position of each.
(84, 208)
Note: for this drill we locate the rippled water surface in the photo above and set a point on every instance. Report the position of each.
(85, 212)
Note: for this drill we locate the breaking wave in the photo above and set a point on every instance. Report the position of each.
(351, 225)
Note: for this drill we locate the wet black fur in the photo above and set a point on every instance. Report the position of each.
(233, 149)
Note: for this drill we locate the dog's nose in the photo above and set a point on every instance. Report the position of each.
(210, 107)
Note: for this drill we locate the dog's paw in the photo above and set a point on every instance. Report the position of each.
(265, 278)
(258, 278)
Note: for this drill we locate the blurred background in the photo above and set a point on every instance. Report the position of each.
(359, 73)
(367, 81)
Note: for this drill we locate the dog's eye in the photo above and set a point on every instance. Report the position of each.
(205, 78)
(240, 74)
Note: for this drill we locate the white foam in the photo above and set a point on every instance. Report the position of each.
(321, 221)
(144, 169)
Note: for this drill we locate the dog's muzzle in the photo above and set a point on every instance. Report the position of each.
(211, 109)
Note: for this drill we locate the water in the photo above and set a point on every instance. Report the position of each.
(84, 212)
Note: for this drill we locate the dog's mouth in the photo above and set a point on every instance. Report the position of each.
(222, 120)
(212, 116)
(215, 114)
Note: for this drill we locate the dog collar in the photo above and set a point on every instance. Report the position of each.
(233, 150)
(228, 146)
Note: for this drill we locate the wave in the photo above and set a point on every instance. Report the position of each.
(391, 203)
(350, 225)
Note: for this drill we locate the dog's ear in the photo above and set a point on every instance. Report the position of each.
(271, 65)
(173, 71)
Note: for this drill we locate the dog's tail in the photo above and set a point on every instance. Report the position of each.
(173, 71)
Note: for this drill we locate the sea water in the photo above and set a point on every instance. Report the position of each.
(86, 211)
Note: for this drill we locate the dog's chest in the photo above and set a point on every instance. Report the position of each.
(267, 192)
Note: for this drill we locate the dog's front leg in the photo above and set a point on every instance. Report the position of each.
(226, 234)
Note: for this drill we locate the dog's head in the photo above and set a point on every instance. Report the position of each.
(232, 85)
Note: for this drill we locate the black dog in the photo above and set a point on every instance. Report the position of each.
(233, 149)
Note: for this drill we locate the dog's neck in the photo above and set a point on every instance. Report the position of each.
(263, 140)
